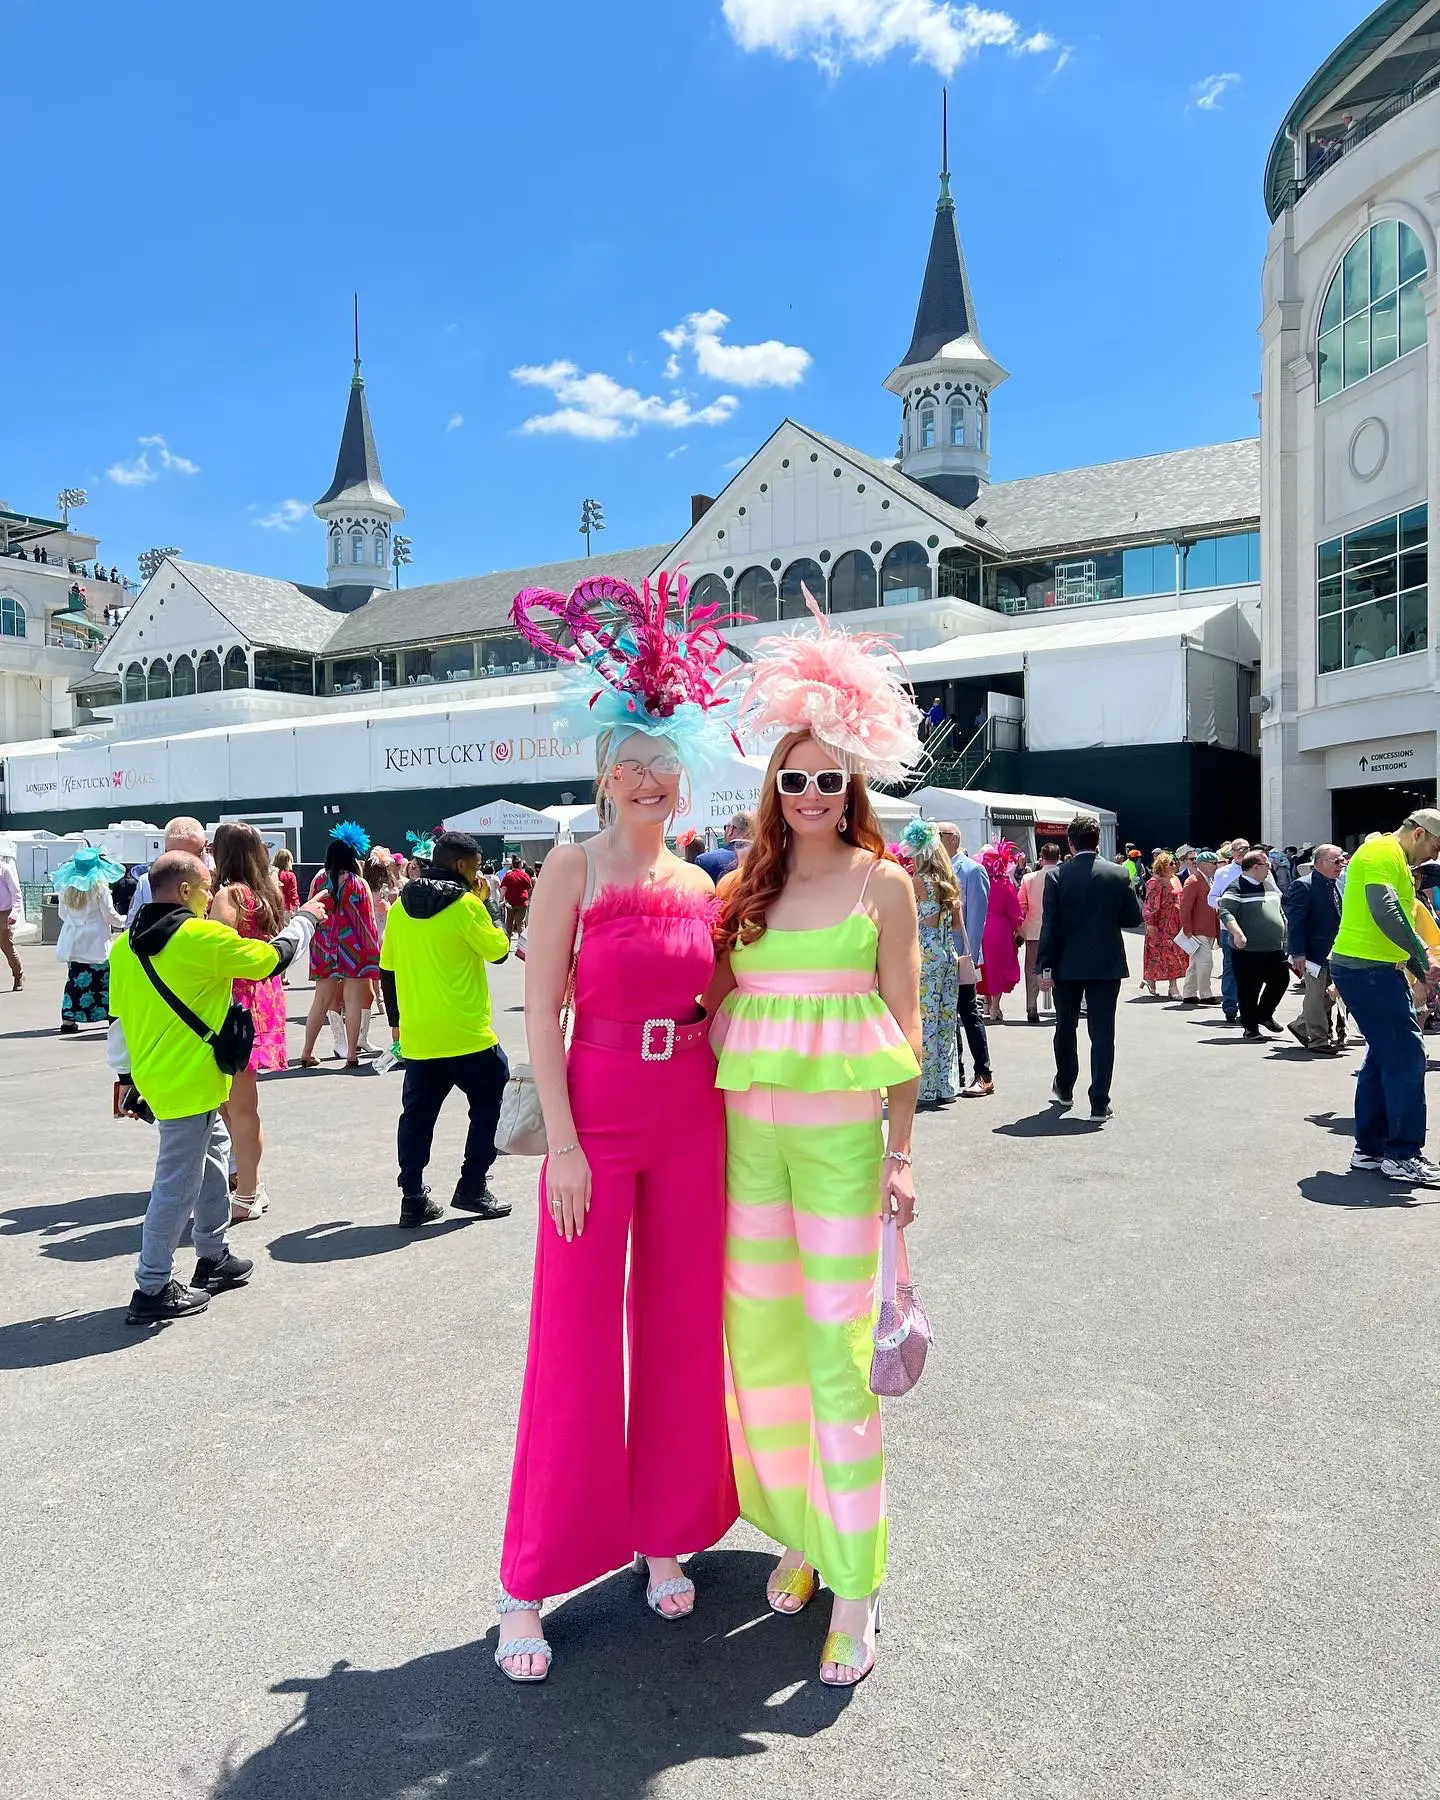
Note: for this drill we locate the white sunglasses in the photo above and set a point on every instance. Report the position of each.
(795, 782)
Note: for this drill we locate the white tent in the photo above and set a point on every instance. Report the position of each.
(983, 816)
(504, 819)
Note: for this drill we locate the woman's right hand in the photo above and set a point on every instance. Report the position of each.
(567, 1191)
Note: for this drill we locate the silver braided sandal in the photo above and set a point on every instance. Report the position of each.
(530, 1646)
(664, 1590)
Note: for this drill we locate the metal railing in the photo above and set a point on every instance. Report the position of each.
(1320, 158)
(963, 771)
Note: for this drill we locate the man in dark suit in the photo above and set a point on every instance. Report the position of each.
(1088, 904)
(1312, 918)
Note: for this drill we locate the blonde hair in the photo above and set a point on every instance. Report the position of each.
(1163, 866)
(934, 862)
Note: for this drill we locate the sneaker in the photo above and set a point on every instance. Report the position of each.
(1099, 1118)
(212, 1273)
(981, 1088)
(174, 1301)
(419, 1209)
(1360, 1162)
(1230, 1017)
(484, 1205)
(1251, 1031)
(1058, 1096)
(1417, 1171)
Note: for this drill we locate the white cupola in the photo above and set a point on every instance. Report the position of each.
(357, 508)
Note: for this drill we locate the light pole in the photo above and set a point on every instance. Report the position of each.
(592, 518)
(399, 554)
(68, 497)
(148, 561)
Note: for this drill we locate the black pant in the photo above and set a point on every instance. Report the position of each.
(481, 1078)
(973, 1026)
(1261, 980)
(1100, 998)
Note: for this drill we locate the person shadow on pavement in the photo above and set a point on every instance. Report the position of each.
(628, 1698)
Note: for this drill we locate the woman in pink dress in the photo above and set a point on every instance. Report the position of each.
(1000, 970)
(248, 899)
(1164, 959)
(345, 951)
(621, 933)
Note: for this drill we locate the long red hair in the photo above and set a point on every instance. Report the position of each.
(747, 896)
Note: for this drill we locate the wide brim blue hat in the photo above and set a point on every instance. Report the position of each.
(84, 869)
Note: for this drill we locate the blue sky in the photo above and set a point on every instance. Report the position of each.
(195, 192)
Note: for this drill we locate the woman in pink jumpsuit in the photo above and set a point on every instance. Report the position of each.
(637, 1163)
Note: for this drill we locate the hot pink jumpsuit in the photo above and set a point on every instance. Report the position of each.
(590, 1487)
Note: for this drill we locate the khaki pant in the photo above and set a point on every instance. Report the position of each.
(7, 946)
(1316, 1024)
(1197, 976)
(1033, 996)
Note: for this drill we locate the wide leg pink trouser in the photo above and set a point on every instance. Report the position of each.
(589, 1486)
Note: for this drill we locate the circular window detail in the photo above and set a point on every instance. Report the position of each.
(824, 556)
(742, 512)
(835, 473)
(875, 547)
(884, 506)
(729, 572)
(1369, 448)
(719, 534)
(764, 487)
(774, 562)
(814, 456)
(785, 464)
(859, 487)
(933, 542)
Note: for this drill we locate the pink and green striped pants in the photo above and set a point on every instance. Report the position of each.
(802, 1241)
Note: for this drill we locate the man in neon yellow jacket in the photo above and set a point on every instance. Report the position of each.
(174, 1068)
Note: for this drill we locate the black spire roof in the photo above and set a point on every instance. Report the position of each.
(357, 468)
(943, 314)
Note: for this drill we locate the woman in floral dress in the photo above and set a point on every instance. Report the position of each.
(937, 899)
(248, 898)
(1164, 959)
(345, 951)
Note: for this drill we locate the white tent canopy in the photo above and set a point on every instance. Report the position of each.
(983, 815)
(503, 818)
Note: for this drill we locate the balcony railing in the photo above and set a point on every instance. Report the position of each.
(1322, 154)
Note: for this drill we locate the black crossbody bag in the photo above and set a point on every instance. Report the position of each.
(231, 1044)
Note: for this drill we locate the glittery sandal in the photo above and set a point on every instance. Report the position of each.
(848, 1652)
(797, 1581)
(526, 1646)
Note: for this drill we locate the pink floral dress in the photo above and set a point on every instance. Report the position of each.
(265, 999)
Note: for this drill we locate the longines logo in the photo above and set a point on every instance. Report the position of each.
(37, 788)
(399, 757)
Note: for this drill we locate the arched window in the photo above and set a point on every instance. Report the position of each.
(183, 676)
(357, 546)
(904, 575)
(852, 583)
(792, 601)
(12, 617)
(1374, 310)
(982, 423)
(208, 674)
(927, 426)
(957, 421)
(157, 684)
(237, 669)
(134, 684)
(755, 594)
(380, 549)
(709, 590)
(337, 548)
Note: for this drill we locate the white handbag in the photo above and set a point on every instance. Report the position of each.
(521, 1128)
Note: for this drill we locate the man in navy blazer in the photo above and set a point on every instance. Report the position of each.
(1088, 904)
(1312, 917)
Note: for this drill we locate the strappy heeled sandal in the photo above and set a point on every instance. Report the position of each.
(797, 1581)
(528, 1646)
(664, 1590)
(848, 1652)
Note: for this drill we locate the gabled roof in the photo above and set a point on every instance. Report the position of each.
(888, 476)
(452, 609)
(358, 481)
(276, 615)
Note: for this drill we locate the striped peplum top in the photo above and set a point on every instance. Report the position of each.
(806, 1014)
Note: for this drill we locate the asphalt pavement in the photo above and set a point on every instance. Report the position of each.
(1163, 1508)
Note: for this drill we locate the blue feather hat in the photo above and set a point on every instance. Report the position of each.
(356, 836)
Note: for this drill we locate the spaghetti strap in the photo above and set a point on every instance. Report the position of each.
(589, 893)
(860, 898)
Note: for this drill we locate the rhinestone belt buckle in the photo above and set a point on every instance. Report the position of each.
(666, 1050)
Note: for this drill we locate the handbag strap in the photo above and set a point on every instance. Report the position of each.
(889, 1252)
(175, 1003)
(567, 1007)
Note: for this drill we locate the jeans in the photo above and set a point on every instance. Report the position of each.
(1100, 999)
(1261, 978)
(1229, 993)
(1197, 976)
(973, 1027)
(1390, 1091)
(192, 1180)
(481, 1077)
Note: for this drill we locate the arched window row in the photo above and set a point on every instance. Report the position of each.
(854, 583)
(12, 617)
(203, 674)
(1374, 310)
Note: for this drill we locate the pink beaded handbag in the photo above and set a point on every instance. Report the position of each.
(902, 1329)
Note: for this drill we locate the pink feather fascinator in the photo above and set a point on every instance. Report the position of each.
(841, 687)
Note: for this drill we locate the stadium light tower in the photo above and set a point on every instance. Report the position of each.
(399, 554)
(68, 497)
(592, 518)
(149, 561)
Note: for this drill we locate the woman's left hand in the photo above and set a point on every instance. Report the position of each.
(897, 1192)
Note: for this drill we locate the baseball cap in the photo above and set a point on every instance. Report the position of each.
(1428, 819)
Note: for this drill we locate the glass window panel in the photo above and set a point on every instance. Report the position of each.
(1370, 634)
(1355, 276)
(1328, 558)
(1384, 258)
(1372, 582)
(134, 684)
(1384, 332)
(1412, 528)
(1412, 254)
(184, 676)
(1412, 318)
(1149, 570)
(1357, 349)
(1330, 316)
(158, 681)
(1200, 564)
(1413, 622)
(1330, 368)
(1370, 541)
(1232, 560)
(755, 594)
(1330, 595)
(804, 573)
(1413, 569)
(208, 680)
(904, 575)
(853, 586)
(1329, 645)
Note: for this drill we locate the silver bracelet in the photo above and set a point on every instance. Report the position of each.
(564, 1149)
(903, 1157)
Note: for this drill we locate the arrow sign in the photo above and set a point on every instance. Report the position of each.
(1364, 764)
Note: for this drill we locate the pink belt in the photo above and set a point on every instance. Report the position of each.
(657, 1040)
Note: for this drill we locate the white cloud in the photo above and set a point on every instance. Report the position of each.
(771, 364)
(736, 462)
(679, 450)
(455, 421)
(286, 516)
(597, 407)
(139, 472)
(834, 32)
(1208, 94)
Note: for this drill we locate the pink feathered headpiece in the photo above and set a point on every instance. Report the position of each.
(835, 685)
(998, 858)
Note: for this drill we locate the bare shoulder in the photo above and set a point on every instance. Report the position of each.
(891, 888)
(692, 878)
(562, 872)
